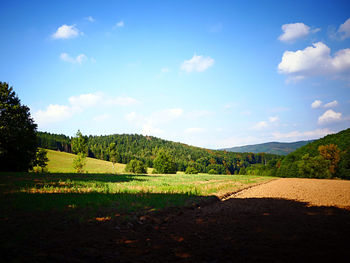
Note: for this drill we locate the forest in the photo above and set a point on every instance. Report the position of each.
(127, 147)
(328, 157)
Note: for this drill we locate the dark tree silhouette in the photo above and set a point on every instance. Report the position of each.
(18, 141)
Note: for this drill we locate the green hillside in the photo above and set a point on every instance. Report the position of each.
(289, 165)
(61, 162)
(128, 147)
(280, 148)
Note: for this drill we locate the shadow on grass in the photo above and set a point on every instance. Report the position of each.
(18, 202)
(34, 178)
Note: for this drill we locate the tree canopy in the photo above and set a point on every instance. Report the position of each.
(18, 142)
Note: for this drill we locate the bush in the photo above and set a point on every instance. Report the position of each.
(191, 170)
(136, 167)
(164, 163)
(314, 167)
(212, 171)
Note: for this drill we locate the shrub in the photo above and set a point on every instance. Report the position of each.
(212, 171)
(136, 167)
(191, 170)
(164, 163)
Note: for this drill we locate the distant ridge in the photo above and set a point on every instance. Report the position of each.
(281, 148)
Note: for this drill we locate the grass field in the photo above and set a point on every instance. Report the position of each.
(121, 193)
(61, 162)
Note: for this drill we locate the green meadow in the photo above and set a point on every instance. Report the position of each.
(61, 162)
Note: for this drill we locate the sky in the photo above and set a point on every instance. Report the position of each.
(213, 74)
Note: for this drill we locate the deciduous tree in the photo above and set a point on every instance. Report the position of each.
(17, 132)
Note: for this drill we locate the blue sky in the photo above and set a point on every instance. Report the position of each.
(207, 73)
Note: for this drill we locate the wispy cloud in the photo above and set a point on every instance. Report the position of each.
(305, 135)
(197, 63)
(273, 121)
(318, 104)
(165, 70)
(150, 124)
(344, 29)
(331, 104)
(77, 60)
(194, 130)
(102, 117)
(78, 104)
(66, 31)
(90, 19)
(122, 101)
(119, 24)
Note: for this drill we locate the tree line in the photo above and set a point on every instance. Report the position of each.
(122, 148)
(328, 157)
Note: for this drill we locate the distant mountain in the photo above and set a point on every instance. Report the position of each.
(280, 148)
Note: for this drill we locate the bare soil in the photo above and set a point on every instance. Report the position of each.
(285, 220)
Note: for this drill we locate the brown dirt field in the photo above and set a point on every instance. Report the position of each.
(285, 220)
(313, 191)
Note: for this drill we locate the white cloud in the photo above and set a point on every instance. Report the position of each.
(53, 113)
(119, 24)
(90, 19)
(102, 117)
(292, 32)
(198, 114)
(148, 129)
(149, 124)
(314, 60)
(329, 116)
(194, 130)
(261, 125)
(65, 32)
(273, 119)
(77, 104)
(79, 59)
(331, 104)
(197, 63)
(85, 100)
(237, 141)
(316, 104)
(122, 101)
(344, 29)
(307, 135)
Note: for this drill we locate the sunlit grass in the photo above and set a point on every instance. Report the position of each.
(61, 162)
(121, 192)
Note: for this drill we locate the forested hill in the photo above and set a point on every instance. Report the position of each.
(146, 148)
(281, 148)
(307, 159)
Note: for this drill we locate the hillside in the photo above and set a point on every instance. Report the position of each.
(289, 165)
(146, 148)
(61, 162)
(280, 148)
